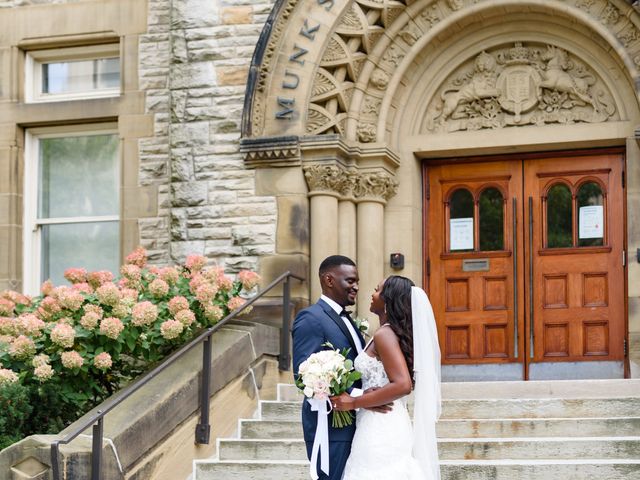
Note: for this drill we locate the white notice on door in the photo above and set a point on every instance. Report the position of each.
(461, 233)
(591, 222)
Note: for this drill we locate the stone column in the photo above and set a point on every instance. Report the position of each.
(372, 192)
(347, 218)
(323, 211)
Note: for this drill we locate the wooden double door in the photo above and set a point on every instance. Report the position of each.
(525, 262)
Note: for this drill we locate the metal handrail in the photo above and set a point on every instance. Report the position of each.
(203, 428)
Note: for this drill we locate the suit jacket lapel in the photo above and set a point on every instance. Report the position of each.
(338, 321)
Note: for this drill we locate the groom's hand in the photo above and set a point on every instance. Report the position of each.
(380, 408)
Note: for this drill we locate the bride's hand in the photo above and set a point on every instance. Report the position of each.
(343, 402)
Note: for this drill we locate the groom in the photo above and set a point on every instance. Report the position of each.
(328, 321)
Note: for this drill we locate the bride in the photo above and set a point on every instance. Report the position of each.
(403, 355)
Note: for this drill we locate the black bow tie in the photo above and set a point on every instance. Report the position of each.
(346, 313)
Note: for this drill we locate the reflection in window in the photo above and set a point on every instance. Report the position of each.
(461, 220)
(590, 215)
(559, 210)
(491, 220)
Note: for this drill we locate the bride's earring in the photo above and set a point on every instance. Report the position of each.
(385, 308)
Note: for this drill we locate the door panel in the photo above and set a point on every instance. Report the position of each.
(525, 260)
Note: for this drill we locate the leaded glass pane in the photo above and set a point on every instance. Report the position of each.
(491, 207)
(559, 217)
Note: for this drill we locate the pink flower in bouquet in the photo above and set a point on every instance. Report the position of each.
(248, 279)
(159, 288)
(108, 294)
(169, 275)
(111, 327)
(178, 303)
(171, 329)
(30, 325)
(47, 287)
(39, 360)
(90, 320)
(69, 298)
(6, 306)
(237, 302)
(137, 257)
(99, 278)
(75, 275)
(22, 348)
(103, 361)
(71, 359)
(63, 334)
(206, 292)
(144, 313)
(185, 317)
(213, 312)
(195, 263)
(43, 373)
(7, 326)
(83, 287)
(7, 376)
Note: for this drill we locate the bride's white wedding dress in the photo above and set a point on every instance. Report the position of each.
(383, 442)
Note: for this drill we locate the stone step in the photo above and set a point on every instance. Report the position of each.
(524, 427)
(450, 470)
(457, 449)
(498, 408)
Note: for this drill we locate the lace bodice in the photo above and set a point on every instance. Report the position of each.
(372, 370)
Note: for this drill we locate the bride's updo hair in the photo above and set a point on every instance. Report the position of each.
(396, 294)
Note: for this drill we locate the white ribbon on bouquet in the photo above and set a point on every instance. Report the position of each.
(321, 440)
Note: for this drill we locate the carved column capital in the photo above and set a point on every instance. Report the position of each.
(375, 186)
(324, 179)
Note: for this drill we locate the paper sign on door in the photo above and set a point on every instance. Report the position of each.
(461, 233)
(591, 222)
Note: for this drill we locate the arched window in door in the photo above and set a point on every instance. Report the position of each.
(461, 221)
(590, 207)
(559, 217)
(491, 212)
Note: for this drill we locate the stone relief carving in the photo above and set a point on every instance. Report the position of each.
(519, 86)
(323, 177)
(367, 132)
(350, 183)
(380, 79)
(375, 185)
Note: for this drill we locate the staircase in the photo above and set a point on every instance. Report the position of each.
(556, 430)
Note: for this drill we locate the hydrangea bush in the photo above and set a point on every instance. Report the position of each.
(82, 342)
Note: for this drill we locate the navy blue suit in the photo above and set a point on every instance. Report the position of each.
(314, 326)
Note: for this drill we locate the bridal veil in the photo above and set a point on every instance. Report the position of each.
(427, 396)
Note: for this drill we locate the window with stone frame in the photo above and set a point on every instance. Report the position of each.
(72, 202)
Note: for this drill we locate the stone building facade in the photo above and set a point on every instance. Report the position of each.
(268, 136)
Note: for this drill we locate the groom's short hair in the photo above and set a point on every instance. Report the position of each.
(334, 261)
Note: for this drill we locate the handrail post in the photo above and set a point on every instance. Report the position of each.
(55, 468)
(284, 357)
(203, 429)
(96, 450)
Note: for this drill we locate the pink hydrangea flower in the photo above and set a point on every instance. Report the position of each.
(225, 283)
(6, 306)
(83, 287)
(171, 329)
(137, 257)
(16, 297)
(22, 348)
(111, 327)
(236, 302)
(43, 372)
(94, 309)
(206, 292)
(99, 278)
(212, 312)
(7, 326)
(178, 303)
(89, 320)
(169, 275)
(63, 334)
(108, 294)
(130, 295)
(131, 272)
(39, 360)
(72, 359)
(121, 310)
(144, 313)
(195, 263)
(185, 317)
(196, 281)
(69, 298)
(75, 275)
(50, 307)
(30, 325)
(158, 288)
(103, 361)
(7, 376)
(248, 279)
(6, 339)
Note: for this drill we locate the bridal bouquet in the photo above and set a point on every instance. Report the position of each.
(328, 373)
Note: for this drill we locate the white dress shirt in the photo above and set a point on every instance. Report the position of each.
(338, 309)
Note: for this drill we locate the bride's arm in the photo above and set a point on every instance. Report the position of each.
(388, 349)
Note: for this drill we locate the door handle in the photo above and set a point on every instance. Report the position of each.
(515, 277)
(530, 277)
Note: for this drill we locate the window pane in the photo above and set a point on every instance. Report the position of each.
(461, 221)
(559, 210)
(590, 215)
(78, 176)
(491, 220)
(80, 76)
(93, 246)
